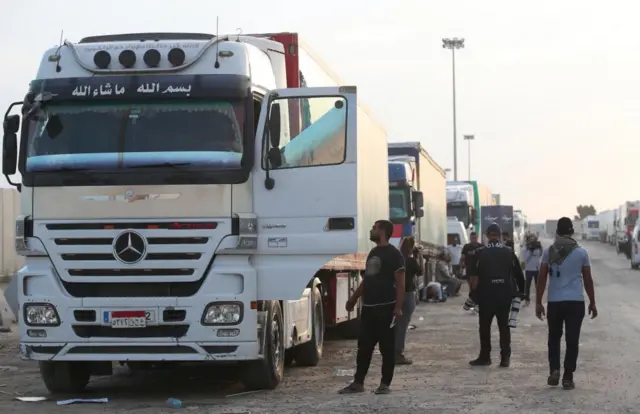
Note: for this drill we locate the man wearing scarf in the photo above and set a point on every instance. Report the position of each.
(567, 267)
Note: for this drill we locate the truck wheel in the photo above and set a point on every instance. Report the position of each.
(268, 372)
(65, 377)
(310, 353)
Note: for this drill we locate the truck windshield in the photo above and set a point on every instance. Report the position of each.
(461, 212)
(593, 224)
(398, 203)
(108, 136)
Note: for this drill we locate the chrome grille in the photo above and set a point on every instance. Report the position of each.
(84, 250)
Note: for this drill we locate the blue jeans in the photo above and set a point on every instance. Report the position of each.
(402, 323)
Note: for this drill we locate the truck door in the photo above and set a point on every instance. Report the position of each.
(304, 187)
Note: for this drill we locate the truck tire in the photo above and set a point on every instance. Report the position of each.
(65, 377)
(310, 353)
(267, 373)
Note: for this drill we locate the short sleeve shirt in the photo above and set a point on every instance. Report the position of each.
(565, 279)
(379, 277)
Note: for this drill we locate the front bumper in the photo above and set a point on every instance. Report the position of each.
(84, 335)
(138, 351)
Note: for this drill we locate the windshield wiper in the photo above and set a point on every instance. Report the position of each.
(178, 165)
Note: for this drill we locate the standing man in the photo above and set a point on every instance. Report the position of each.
(567, 267)
(413, 267)
(455, 253)
(506, 240)
(531, 256)
(468, 256)
(382, 291)
(493, 280)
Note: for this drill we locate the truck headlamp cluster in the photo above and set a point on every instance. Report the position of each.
(127, 58)
(41, 314)
(222, 313)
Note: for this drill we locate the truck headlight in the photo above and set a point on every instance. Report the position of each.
(41, 314)
(222, 313)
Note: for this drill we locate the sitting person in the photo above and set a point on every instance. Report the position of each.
(434, 292)
(452, 285)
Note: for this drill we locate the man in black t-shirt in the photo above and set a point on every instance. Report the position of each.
(382, 291)
(468, 255)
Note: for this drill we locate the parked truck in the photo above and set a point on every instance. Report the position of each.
(502, 215)
(592, 228)
(626, 217)
(460, 195)
(189, 197)
(417, 197)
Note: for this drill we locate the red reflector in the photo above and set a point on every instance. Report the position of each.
(397, 230)
(193, 226)
(128, 314)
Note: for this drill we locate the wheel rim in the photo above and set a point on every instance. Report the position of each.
(318, 325)
(276, 344)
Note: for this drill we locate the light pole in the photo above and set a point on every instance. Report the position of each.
(469, 138)
(454, 44)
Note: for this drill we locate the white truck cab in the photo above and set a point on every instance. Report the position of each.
(635, 246)
(180, 203)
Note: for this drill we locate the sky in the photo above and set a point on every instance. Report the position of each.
(550, 89)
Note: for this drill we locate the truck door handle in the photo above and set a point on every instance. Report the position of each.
(341, 223)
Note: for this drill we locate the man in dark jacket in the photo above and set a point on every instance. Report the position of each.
(494, 278)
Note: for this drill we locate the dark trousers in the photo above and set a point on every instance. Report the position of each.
(530, 275)
(375, 328)
(570, 315)
(501, 310)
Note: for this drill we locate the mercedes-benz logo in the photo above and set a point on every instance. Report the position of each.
(129, 247)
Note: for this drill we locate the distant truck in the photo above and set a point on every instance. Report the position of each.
(592, 228)
(417, 197)
(550, 227)
(464, 199)
(626, 216)
(502, 215)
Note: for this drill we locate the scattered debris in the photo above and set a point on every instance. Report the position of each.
(83, 401)
(31, 399)
(344, 372)
(254, 391)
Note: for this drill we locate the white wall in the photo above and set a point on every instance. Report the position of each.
(10, 262)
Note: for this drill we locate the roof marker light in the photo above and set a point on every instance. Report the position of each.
(152, 58)
(102, 59)
(176, 56)
(127, 58)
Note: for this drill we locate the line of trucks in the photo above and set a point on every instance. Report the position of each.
(201, 198)
(617, 227)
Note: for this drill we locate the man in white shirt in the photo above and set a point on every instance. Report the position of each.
(455, 252)
(531, 257)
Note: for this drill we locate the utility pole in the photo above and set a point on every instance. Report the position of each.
(469, 138)
(454, 44)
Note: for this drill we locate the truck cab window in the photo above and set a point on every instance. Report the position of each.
(322, 142)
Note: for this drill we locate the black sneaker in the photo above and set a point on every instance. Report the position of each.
(382, 389)
(403, 360)
(505, 361)
(480, 362)
(554, 378)
(568, 384)
(353, 388)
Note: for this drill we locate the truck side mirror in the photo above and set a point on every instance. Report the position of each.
(474, 219)
(274, 125)
(418, 203)
(11, 125)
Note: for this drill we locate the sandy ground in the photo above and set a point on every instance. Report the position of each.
(440, 381)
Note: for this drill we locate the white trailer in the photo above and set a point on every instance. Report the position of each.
(592, 228)
(184, 198)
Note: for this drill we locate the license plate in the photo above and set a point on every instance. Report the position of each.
(128, 319)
